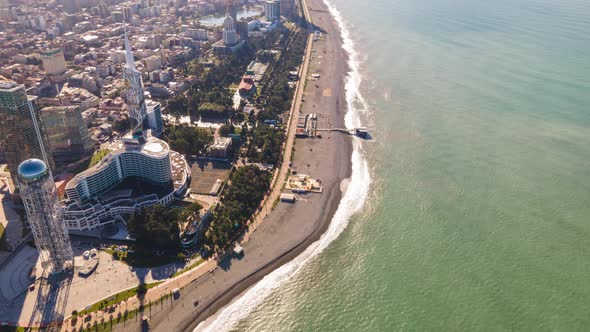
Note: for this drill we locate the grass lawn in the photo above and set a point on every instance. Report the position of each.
(98, 157)
(82, 166)
(121, 296)
(16, 329)
(195, 264)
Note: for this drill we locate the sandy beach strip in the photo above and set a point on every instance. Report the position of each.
(290, 228)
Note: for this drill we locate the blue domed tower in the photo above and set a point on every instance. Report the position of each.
(45, 215)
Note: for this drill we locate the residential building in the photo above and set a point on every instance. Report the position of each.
(242, 29)
(220, 147)
(54, 63)
(154, 117)
(287, 7)
(272, 10)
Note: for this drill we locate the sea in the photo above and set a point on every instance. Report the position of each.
(476, 216)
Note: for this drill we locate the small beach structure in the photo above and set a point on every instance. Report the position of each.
(302, 184)
(288, 198)
(238, 250)
(176, 293)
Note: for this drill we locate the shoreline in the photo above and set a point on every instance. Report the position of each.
(248, 281)
(283, 235)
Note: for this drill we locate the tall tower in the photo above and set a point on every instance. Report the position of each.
(45, 215)
(22, 129)
(229, 31)
(232, 10)
(133, 89)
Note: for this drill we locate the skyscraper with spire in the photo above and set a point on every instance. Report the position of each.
(134, 94)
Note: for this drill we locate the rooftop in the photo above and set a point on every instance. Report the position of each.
(32, 169)
(6, 84)
(152, 146)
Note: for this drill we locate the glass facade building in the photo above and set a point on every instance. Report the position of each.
(68, 136)
(18, 136)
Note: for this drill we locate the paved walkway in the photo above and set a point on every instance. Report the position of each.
(9, 218)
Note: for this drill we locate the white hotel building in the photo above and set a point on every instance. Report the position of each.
(92, 202)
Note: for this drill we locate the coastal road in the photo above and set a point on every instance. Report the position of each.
(285, 169)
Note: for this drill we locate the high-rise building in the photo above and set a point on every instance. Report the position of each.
(154, 117)
(242, 29)
(127, 13)
(45, 215)
(287, 7)
(67, 134)
(21, 125)
(53, 61)
(229, 31)
(134, 94)
(272, 10)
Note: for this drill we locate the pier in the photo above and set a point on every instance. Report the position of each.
(360, 132)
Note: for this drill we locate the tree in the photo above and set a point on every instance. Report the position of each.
(142, 289)
(238, 203)
(188, 140)
(122, 125)
(265, 145)
(192, 212)
(225, 130)
(155, 227)
(177, 106)
(212, 109)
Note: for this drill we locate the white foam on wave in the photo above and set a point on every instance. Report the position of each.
(352, 201)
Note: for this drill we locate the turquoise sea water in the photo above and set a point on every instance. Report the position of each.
(478, 216)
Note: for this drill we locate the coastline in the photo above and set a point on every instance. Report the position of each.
(289, 229)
